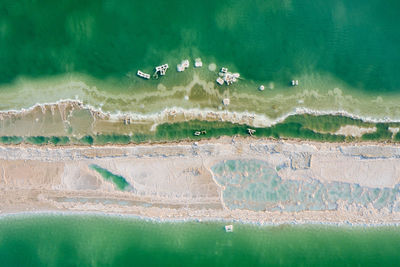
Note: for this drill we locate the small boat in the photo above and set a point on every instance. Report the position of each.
(203, 132)
(229, 228)
(185, 63)
(143, 75)
(180, 68)
(197, 133)
(261, 88)
(198, 63)
(226, 101)
(293, 83)
(220, 81)
(162, 69)
(297, 82)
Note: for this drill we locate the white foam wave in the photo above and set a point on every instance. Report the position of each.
(168, 114)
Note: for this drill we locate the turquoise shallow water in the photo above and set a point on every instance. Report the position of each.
(356, 41)
(263, 189)
(110, 241)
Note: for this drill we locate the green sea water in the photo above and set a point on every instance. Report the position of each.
(111, 241)
(345, 54)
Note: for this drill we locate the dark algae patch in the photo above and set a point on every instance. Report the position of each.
(37, 140)
(112, 139)
(59, 140)
(118, 180)
(382, 133)
(88, 140)
(397, 137)
(11, 140)
(326, 123)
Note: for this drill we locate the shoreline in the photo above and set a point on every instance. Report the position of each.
(233, 116)
(177, 114)
(212, 140)
(161, 220)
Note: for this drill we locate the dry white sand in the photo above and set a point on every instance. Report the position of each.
(175, 181)
(353, 130)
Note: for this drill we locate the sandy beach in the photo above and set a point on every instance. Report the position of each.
(245, 179)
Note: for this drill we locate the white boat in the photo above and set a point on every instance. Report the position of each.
(261, 88)
(226, 101)
(229, 228)
(162, 69)
(180, 68)
(220, 81)
(185, 63)
(293, 83)
(143, 75)
(198, 63)
(227, 77)
(297, 82)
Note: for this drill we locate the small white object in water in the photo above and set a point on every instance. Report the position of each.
(261, 88)
(229, 228)
(186, 97)
(180, 68)
(226, 101)
(212, 67)
(297, 82)
(162, 69)
(224, 70)
(185, 63)
(198, 63)
(293, 83)
(220, 81)
(143, 75)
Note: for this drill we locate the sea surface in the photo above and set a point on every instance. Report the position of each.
(72, 240)
(344, 54)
